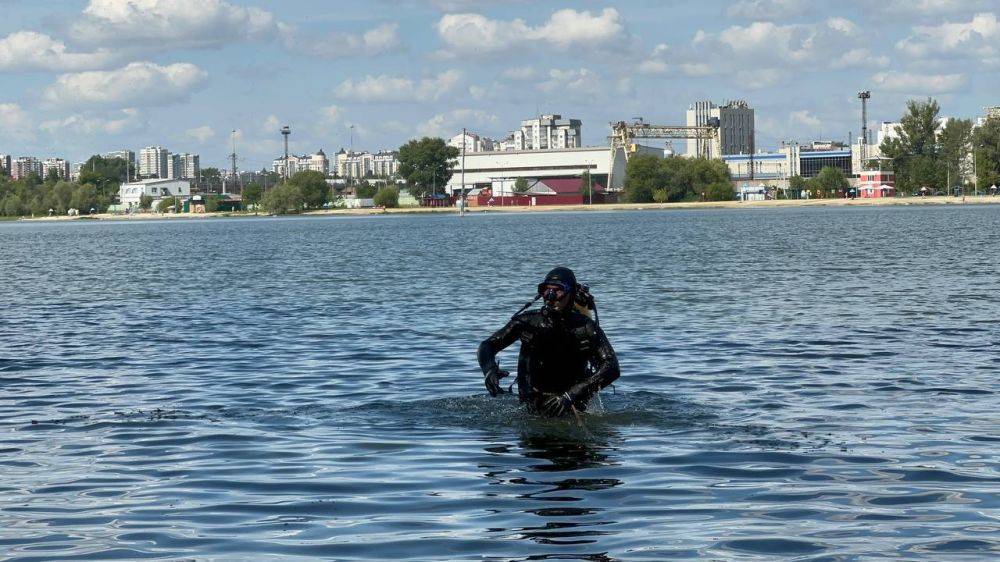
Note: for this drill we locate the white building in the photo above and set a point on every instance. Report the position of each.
(547, 132)
(314, 162)
(124, 154)
(472, 142)
(130, 193)
(385, 163)
(485, 168)
(736, 126)
(153, 162)
(24, 166)
(56, 166)
(381, 164)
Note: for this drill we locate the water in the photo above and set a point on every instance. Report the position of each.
(802, 384)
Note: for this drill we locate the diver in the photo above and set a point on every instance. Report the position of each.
(565, 357)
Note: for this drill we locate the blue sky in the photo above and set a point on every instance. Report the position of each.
(80, 77)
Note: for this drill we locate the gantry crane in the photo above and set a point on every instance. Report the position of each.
(623, 136)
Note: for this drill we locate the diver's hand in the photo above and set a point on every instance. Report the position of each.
(557, 404)
(493, 381)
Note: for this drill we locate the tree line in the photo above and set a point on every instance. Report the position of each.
(96, 188)
(649, 179)
(925, 154)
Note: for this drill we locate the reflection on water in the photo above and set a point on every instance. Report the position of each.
(801, 384)
(558, 454)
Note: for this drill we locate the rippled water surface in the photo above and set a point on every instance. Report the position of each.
(804, 384)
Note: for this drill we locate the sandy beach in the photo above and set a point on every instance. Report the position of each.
(971, 200)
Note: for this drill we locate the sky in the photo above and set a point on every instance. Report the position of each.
(80, 77)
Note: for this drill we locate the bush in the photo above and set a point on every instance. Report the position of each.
(387, 197)
(145, 202)
(164, 205)
(720, 191)
(284, 199)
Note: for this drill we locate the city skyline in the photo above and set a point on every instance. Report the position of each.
(82, 78)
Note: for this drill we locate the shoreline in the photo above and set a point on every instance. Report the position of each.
(878, 202)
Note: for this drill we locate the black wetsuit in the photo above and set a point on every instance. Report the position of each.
(560, 353)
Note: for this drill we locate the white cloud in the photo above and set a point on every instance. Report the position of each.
(768, 9)
(376, 41)
(477, 34)
(520, 73)
(899, 9)
(271, 124)
(805, 118)
(168, 24)
(656, 63)
(976, 37)
(449, 124)
(571, 80)
(919, 84)
(138, 84)
(859, 58)
(384, 88)
(201, 134)
(28, 50)
(760, 78)
(14, 122)
(91, 124)
(771, 45)
(330, 113)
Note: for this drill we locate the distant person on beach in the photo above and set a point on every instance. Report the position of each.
(565, 357)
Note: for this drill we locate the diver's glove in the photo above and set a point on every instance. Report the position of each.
(557, 404)
(493, 377)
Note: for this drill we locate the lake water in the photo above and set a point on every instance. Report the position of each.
(797, 384)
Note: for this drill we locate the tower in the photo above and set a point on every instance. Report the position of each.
(285, 131)
(864, 96)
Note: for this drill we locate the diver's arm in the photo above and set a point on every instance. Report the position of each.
(487, 353)
(606, 370)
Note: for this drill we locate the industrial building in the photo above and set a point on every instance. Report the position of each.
(485, 169)
(790, 160)
(736, 126)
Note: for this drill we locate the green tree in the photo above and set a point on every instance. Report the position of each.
(84, 198)
(586, 185)
(719, 191)
(521, 185)
(365, 190)
(210, 180)
(106, 174)
(915, 153)
(12, 206)
(796, 185)
(252, 194)
(145, 201)
(642, 176)
(313, 186)
(426, 163)
(387, 196)
(284, 199)
(987, 147)
(955, 142)
(830, 181)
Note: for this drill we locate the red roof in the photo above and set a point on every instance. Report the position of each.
(568, 186)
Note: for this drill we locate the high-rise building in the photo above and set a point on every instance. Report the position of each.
(190, 166)
(124, 154)
(174, 170)
(385, 163)
(24, 166)
(153, 162)
(472, 142)
(56, 166)
(5, 164)
(736, 126)
(546, 132)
